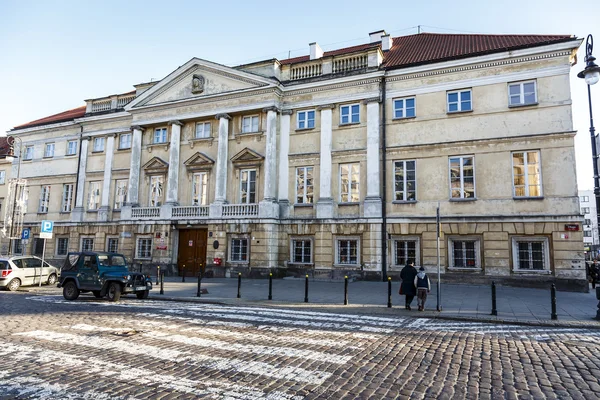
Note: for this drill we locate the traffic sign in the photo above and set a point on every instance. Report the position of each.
(47, 228)
(26, 234)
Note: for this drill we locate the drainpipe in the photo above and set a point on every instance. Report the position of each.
(384, 186)
(78, 164)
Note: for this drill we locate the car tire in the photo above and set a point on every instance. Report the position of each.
(70, 291)
(97, 294)
(14, 285)
(52, 279)
(142, 295)
(114, 292)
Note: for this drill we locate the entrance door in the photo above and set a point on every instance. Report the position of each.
(192, 251)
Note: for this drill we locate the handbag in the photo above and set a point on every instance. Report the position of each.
(400, 290)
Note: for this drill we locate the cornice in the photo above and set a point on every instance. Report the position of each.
(372, 100)
(223, 115)
(287, 111)
(325, 87)
(271, 108)
(138, 127)
(92, 118)
(175, 122)
(326, 107)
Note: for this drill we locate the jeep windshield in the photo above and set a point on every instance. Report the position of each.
(111, 261)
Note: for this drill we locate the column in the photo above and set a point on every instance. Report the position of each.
(104, 209)
(372, 206)
(134, 168)
(173, 174)
(284, 163)
(325, 202)
(268, 208)
(216, 208)
(79, 210)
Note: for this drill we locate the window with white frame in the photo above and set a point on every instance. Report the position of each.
(157, 183)
(160, 135)
(28, 153)
(49, 150)
(405, 180)
(305, 119)
(584, 199)
(587, 221)
(406, 249)
(143, 250)
(350, 183)
(347, 251)
(71, 147)
(522, 93)
(67, 197)
(350, 114)
(44, 199)
(527, 180)
(587, 233)
(200, 189)
(462, 177)
(405, 108)
(464, 253)
(239, 250)
(125, 141)
(87, 244)
(250, 124)
(530, 254)
(301, 250)
(94, 195)
(112, 245)
(98, 144)
(459, 100)
(62, 246)
(202, 130)
(585, 210)
(120, 193)
(304, 185)
(2, 177)
(248, 186)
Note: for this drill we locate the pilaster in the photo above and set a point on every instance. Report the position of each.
(222, 161)
(284, 163)
(78, 211)
(372, 204)
(103, 211)
(134, 169)
(324, 205)
(173, 174)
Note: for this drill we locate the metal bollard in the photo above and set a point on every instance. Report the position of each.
(199, 292)
(553, 300)
(162, 282)
(306, 289)
(239, 285)
(183, 273)
(389, 292)
(494, 310)
(157, 273)
(345, 290)
(270, 286)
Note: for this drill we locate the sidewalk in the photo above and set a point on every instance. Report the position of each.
(464, 302)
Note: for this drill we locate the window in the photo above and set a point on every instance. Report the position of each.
(464, 253)
(98, 144)
(44, 199)
(87, 244)
(199, 189)
(250, 124)
(94, 195)
(347, 251)
(248, 186)
(28, 153)
(160, 135)
(38, 249)
(587, 221)
(239, 250)
(1, 204)
(404, 108)
(349, 183)
(112, 245)
(585, 210)
(405, 180)
(522, 93)
(67, 197)
(120, 193)
(202, 130)
(587, 233)
(2, 177)
(406, 249)
(71, 147)
(530, 254)
(306, 119)
(157, 184)
(526, 174)
(49, 150)
(304, 185)
(143, 248)
(462, 178)
(459, 101)
(62, 246)
(584, 199)
(301, 251)
(17, 246)
(350, 114)
(125, 141)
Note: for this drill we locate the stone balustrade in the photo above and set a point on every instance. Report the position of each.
(190, 212)
(145, 212)
(240, 210)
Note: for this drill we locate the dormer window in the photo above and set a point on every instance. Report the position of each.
(160, 135)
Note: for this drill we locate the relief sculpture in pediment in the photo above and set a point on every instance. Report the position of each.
(197, 84)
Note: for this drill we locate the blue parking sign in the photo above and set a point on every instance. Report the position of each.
(26, 234)
(46, 232)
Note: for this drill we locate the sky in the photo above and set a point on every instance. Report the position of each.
(55, 54)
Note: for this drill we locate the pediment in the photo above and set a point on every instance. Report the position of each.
(156, 165)
(198, 161)
(199, 78)
(247, 156)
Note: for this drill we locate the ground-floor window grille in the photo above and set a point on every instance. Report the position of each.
(144, 248)
(464, 253)
(301, 251)
(239, 250)
(87, 244)
(531, 254)
(347, 252)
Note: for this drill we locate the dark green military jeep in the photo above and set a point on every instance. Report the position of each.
(103, 274)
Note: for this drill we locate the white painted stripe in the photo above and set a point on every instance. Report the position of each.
(35, 388)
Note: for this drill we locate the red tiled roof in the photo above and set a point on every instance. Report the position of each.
(56, 118)
(5, 147)
(337, 52)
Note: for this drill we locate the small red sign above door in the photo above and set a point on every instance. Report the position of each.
(571, 227)
(161, 247)
(191, 243)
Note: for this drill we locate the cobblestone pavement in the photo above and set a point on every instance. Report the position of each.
(135, 349)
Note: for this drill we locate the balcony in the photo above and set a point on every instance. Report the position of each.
(109, 104)
(214, 211)
(240, 210)
(145, 213)
(190, 212)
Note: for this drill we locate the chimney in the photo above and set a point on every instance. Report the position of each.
(375, 37)
(386, 42)
(315, 51)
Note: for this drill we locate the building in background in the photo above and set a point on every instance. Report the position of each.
(587, 201)
(328, 164)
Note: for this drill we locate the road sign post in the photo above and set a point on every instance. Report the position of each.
(45, 233)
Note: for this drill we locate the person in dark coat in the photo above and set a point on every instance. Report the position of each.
(408, 274)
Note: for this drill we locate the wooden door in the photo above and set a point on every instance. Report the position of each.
(192, 251)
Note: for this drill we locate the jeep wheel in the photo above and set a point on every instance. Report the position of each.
(70, 291)
(52, 279)
(14, 285)
(97, 294)
(142, 295)
(114, 292)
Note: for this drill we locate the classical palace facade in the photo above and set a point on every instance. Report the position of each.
(329, 164)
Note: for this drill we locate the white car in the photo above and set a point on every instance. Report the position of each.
(20, 271)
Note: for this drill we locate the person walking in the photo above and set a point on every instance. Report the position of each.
(594, 271)
(423, 287)
(407, 287)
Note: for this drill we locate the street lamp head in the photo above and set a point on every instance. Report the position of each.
(591, 73)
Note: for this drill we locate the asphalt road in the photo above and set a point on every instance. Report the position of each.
(134, 349)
